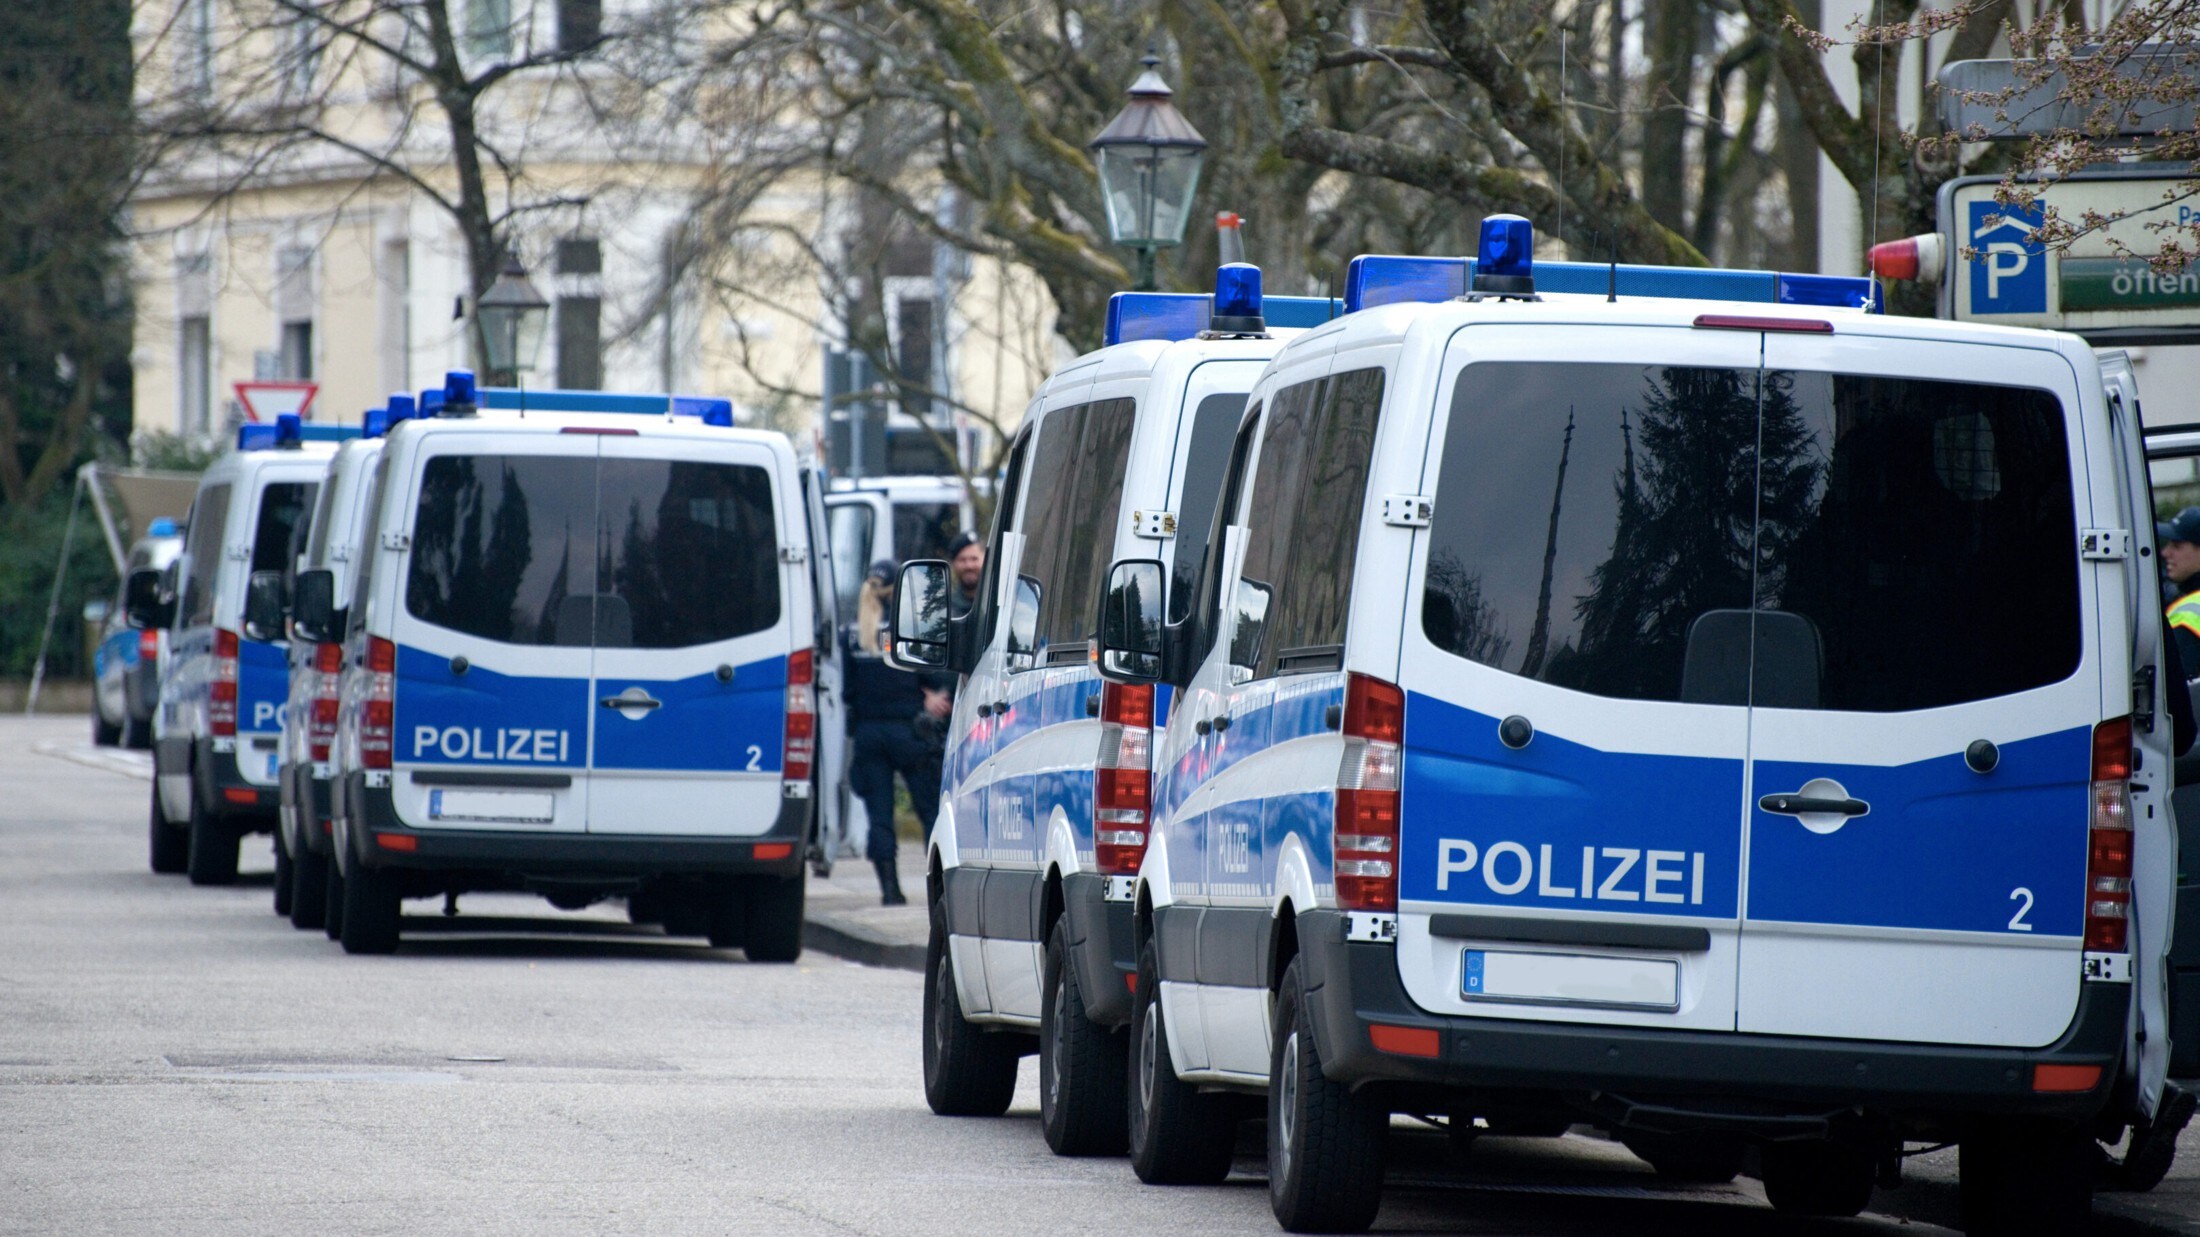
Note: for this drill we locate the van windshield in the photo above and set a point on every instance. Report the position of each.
(284, 508)
(511, 548)
(1905, 543)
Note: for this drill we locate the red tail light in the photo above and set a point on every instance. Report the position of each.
(1122, 789)
(328, 672)
(149, 644)
(378, 712)
(1365, 843)
(801, 742)
(221, 699)
(2108, 853)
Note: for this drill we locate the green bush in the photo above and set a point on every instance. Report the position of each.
(30, 548)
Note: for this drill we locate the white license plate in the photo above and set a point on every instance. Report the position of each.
(491, 806)
(1570, 979)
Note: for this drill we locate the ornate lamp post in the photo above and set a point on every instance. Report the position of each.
(1150, 159)
(512, 316)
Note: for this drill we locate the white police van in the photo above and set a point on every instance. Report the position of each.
(333, 548)
(1730, 724)
(219, 723)
(1045, 786)
(580, 661)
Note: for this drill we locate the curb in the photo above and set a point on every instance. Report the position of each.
(858, 945)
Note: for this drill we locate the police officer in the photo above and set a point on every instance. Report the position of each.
(895, 719)
(966, 560)
(2180, 540)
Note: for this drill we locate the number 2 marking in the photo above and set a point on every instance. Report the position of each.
(2016, 921)
(756, 762)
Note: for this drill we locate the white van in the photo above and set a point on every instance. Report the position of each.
(1045, 784)
(581, 661)
(303, 877)
(1730, 724)
(223, 686)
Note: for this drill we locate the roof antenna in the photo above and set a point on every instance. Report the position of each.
(1611, 283)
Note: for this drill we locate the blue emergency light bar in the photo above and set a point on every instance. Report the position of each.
(712, 411)
(1133, 316)
(288, 432)
(162, 527)
(1384, 279)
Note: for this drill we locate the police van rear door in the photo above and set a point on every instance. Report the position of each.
(696, 614)
(493, 626)
(1575, 740)
(1926, 680)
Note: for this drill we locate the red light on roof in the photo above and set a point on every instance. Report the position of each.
(1745, 322)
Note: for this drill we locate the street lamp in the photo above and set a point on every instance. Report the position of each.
(512, 315)
(1150, 158)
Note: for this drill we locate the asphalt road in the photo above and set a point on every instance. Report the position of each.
(178, 1060)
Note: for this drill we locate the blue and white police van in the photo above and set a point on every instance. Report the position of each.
(219, 725)
(1046, 780)
(126, 665)
(307, 769)
(1678, 701)
(580, 660)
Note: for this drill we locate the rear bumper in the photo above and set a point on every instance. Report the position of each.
(1650, 1072)
(1100, 947)
(223, 789)
(373, 824)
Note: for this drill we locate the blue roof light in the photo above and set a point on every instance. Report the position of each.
(1237, 301)
(1842, 291)
(402, 408)
(374, 423)
(1373, 280)
(458, 393)
(1504, 260)
(429, 404)
(266, 436)
(1135, 316)
(162, 527)
(712, 411)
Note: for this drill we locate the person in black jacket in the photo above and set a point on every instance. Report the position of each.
(895, 719)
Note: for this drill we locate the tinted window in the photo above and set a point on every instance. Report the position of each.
(924, 530)
(1586, 517)
(352, 586)
(690, 553)
(209, 515)
(1079, 474)
(1895, 512)
(286, 518)
(850, 525)
(1308, 491)
(323, 511)
(1214, 427)
(1006, 517)
(1205, 614)
(504, 547)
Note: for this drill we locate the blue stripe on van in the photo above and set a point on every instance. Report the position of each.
(486, 718)
(703, 726)
(1484, 825)
(263, 686)
(1941, 848)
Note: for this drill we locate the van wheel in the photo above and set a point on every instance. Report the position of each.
(1818, 1178)
(1178, 1135)
(1709, 1159)
(104, 732)
(373, 907)
(170, 847)
(1325, 1142)
(719, 911)
(285, 871)
(1083, 1066)
(2021, 1176)
(137, 735)
(214, 844)
(308, 887)
(771, 915)
(967, 1072)
(332, 910)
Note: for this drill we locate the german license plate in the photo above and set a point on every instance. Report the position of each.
(491, 807)
(1570, 979)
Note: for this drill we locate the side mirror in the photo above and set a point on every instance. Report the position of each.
(1131, 622)
(313, 605)
(920, 617)
(1023, 625)
(263, 606)
(143, 602)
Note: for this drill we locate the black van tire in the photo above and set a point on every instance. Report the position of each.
(1178, 1135)
(214, 843)
(285, 874)
(771, 916)
(308, 888)
(1708, 1159)
(1084, 1068)
(1817, 1178)
(968, 1072)
(104, 732)
(1325, 1142)
(719, 912)
(137, 735)
(332, 909)
(2020, 1176)
(169, 848)
(373, 908)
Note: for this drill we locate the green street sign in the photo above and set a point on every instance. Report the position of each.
(2094, 284)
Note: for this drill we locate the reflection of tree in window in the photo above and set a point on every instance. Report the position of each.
(1456, 615)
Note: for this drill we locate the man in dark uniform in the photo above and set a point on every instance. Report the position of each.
(966, 562)
(893, 718)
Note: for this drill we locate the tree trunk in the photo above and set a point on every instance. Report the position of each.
(1669, 38)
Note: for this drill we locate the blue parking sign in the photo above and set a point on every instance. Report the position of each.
(2009, 275)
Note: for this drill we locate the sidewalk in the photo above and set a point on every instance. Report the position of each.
(846, 920)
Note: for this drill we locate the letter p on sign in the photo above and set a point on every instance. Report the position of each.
(1453, 858)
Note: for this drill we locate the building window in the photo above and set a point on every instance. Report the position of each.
(396, 291)
(913, 344)
(580, 24)
(302, 60)
(489, 29)
(196, 54)
(194, 375)
(580, 313)
(294, 308)
(297, 351)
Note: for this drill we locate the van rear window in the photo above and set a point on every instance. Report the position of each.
(1906, 543)
(512, 548)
